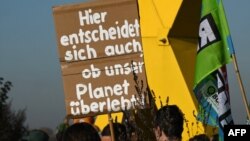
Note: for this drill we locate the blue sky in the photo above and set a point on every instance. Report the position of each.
(29, 58)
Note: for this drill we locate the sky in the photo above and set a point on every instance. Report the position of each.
(29, 58)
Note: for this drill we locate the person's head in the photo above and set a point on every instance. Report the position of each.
(81, 132)
(119, 132)
(200, 137)
(215, 137)
(36, 135)
(168, 123)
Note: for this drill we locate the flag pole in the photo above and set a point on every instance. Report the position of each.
(111, 126)
(243, 93)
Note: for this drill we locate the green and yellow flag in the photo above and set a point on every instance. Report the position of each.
(215, 50)
(215, 44)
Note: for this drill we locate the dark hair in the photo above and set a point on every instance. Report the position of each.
(170, 120)
(35, 135)
(119, 131)
(81, 132)
(215, 137)
(200, 137)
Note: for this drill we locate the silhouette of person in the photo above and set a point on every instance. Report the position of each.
(81, 132)
(168, 123)
(200, 137)
(119, 132)
(36, 135)
(215, 137)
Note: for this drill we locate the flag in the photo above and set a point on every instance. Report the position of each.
(214, 51)
(215, 43)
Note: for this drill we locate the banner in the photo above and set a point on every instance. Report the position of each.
(213, 95)
(100, 52)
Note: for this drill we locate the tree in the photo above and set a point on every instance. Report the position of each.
(139, 122)
(11, 123)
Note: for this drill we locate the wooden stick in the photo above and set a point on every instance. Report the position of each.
(243, 93)
(111, 126)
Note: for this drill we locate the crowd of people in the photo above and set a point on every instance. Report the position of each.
(168, 126)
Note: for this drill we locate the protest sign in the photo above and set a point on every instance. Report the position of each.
(101, 57)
